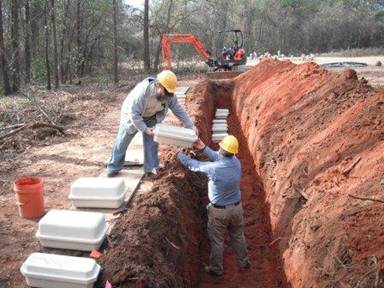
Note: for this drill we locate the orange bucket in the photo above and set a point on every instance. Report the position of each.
(29, 196)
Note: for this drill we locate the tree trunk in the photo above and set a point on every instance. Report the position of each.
(166, 30)
(147, 60)
(115, 56)
(63, 35)
(55, 60)
(78, 37)
(15, 45)
(27, 43)
(3, 58)
(48, 69)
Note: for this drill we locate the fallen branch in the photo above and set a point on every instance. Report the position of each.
(366, 198)
(34, 101)
(350, 167)
(32, 126)
(173, 245)
(12, 126)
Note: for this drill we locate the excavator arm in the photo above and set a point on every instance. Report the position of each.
(168, 39)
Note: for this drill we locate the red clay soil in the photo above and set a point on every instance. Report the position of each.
(162, 241)
(305, 128)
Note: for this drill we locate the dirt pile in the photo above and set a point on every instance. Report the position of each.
(157, 243)
(306, 128)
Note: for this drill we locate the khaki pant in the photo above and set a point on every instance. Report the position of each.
(219, 222)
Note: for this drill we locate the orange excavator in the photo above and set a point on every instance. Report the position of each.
(226, 59)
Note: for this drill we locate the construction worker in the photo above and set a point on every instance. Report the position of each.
(144, 107)
(225, 212)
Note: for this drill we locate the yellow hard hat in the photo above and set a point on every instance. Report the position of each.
(230, 144)
(168, 80)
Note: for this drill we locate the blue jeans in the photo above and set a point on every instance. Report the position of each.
(124, 137)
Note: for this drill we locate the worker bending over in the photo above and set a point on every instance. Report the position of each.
(225, 212)
(144, 107)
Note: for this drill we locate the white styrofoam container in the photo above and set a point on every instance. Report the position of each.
(98, 192)
(217, 137)
(219, 121)
(223, 110)
(219, 129)
(173, 135)
(49, 270)
(221, 116)
(220, 125)
(75, 230)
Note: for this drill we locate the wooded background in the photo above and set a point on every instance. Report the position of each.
(61, 41)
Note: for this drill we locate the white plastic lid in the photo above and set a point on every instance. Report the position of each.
(98, 188)
(60, 267)
(175, 132)
(68, 224)
(222, 110)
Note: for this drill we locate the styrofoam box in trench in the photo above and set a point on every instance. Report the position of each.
(219, 121)
(75, 230)
(98, 192)
(218, 137)
(173, 135)
(49, 270)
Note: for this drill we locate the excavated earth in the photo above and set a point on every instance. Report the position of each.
(312, 154)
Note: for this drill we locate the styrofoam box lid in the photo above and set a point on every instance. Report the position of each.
(60, 267)
(175, 132)
(219, 135)
(220, 125)
(68, 224)
(222, 110)
(97, 187)
(219, 120)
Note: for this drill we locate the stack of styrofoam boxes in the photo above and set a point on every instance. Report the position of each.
(66, 229)
(75, 230)
(181, 94)
(220, 125)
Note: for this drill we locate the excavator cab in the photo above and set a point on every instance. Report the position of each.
(225, 59)
(233, 53)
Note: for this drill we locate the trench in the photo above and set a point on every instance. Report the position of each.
(162, 241)
(267, 268)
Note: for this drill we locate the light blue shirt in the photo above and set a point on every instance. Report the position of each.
(135, 103)
(224, 174)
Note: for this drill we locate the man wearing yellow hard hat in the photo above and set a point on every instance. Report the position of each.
(225, 212)
(144, 107)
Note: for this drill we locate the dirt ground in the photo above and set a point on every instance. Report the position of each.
(302, 228)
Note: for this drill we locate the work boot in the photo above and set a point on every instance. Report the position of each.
(213, 273)
(154, 174)
(112, 173)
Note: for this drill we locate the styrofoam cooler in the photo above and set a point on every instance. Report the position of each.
(219, 129)
(59, 271)
(217, 137)
(174, 135)
(98, 192)
(219, 121)
(75, 230)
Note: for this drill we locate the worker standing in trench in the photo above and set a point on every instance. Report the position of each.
(225, 212)
(145, 106)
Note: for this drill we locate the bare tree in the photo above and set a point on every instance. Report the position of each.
(115, 56)
(48, 69)
(55, 60)
(3, 58)
(27, 46)
(15, 45)
(147, 59)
